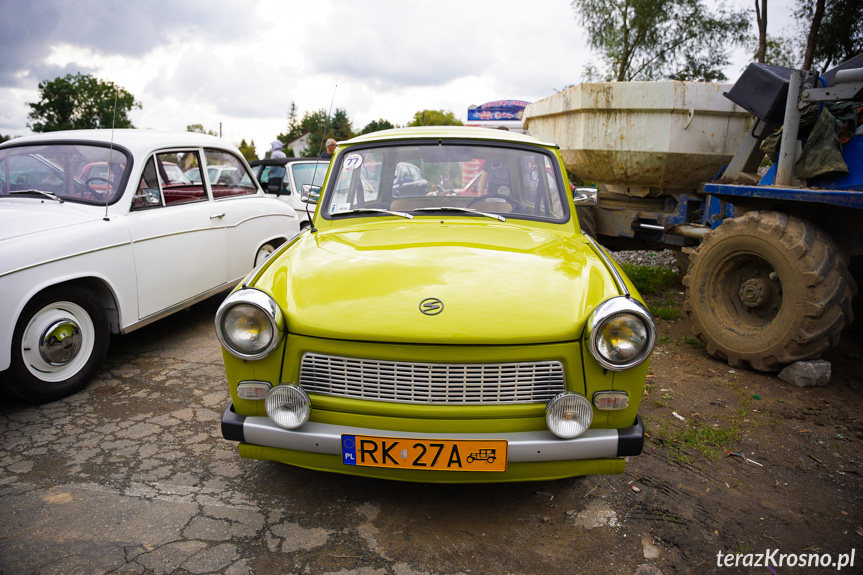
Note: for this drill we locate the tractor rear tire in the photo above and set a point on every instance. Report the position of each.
(767, 289)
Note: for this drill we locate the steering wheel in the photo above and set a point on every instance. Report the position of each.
(516, 206)
(95, 193)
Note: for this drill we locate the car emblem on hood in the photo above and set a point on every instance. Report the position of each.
(431, 306)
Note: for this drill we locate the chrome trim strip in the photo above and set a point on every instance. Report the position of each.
(259, 216)
(75, 255)
(213, 228)
(618, 279)
(530, 446)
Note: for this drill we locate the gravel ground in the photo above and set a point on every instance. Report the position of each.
(664, 259)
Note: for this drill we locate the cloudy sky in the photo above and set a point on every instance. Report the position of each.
(241, 64)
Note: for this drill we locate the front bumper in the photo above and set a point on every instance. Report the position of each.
(522, 447)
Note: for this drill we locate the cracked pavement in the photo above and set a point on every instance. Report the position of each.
(132, 476)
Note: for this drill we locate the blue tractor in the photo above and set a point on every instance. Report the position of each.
(772, 260)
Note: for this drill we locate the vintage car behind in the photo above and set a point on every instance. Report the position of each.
(284, 178)
(471, 334)
(101, 232)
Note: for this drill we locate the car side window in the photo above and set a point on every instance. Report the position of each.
(166, 181)
(228, 176)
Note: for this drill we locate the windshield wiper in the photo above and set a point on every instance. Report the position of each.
(44, 193)
(374, 210)
(457, 209)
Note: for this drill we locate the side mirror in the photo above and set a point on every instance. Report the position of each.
(310, 194)
(585, 196)
(149, 197)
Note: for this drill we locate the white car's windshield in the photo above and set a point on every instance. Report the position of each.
(309, 173)
(77, 172)
(517, 182)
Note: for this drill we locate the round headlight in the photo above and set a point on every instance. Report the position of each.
(621, 338)
(288, 406)
(568, 415)
(247, 324)
(621, 333)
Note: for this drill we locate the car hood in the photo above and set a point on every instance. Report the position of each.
(498, 284)
(23, 217)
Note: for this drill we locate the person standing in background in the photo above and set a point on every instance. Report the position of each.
(277, 150)
(331, 147)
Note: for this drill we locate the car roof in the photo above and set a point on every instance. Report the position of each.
(284, 161)
(461, 132)
(136, 141)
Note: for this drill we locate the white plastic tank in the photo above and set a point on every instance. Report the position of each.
(641, 137)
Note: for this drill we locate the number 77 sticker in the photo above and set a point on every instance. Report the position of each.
(352, 162)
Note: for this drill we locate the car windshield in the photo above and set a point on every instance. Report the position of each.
(78, 172)
(310, 173)
(516, 181)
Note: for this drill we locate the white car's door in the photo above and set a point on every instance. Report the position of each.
(178, 236)
(251, 220)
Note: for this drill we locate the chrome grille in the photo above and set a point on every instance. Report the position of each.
(435, 383)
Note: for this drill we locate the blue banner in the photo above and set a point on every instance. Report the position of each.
(497, 110)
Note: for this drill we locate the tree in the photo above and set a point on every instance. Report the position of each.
(248, 150)
(294, 131)
(199, 129)
(80, 101)
(435, 118)
(338, 127)
(376, 126)
(4, 138)
(832, 29)
(653, 39)
(761, 20)
(781, 51)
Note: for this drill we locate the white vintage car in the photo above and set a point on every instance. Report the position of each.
(101, 233)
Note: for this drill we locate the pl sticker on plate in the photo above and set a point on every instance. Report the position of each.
(349, 450)
(352, 162)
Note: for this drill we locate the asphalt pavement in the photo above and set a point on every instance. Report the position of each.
(132, 476)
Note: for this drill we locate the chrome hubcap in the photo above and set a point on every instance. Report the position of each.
(60, 342)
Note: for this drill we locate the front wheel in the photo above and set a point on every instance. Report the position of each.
(264, 252)
(59, 343)
(767, 289)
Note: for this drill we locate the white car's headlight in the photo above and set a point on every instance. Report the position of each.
(248, 324)
(621, 333)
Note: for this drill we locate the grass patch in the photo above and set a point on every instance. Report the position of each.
(696, 437)
(651, 279)
(665, 310)
(711, 442)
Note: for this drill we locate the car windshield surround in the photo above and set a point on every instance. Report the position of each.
(83, 172)
(456, 178)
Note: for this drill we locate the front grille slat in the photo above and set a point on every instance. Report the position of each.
(432, 383)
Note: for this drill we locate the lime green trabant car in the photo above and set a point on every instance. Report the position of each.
(442, 320)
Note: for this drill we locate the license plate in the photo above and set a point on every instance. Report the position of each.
(436, 454)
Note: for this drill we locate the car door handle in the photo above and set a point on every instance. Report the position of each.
(217, 216)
